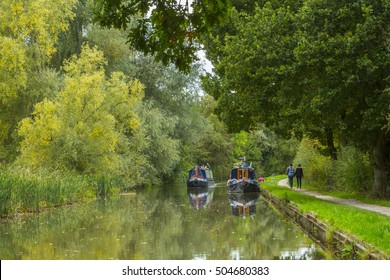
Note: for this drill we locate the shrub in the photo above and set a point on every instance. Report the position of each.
(317, 167)
(353, 170)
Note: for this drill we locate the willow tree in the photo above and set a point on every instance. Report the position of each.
(28, 35)
(85, 127)
(314, 67)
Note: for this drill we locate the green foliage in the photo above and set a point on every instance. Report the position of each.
(35, 25)
(288, 64)
(12, 68)
(280, 154)
(251, 69)
(38, 24)
(165, 29)
(353, 171)
(342, 55)
(317, 167)
(162, 149)
(71, 40)
(113, 44)
(241, 146)
(218, 145)
(28, 35)
(249, 145)
(200, 136)
(40, 85)
(81, 128)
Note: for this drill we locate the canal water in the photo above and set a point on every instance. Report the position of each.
(159, 223)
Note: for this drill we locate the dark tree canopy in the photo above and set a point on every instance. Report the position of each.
(319, 68)
(170, 30)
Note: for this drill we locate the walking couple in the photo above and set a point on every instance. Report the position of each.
(297, 173)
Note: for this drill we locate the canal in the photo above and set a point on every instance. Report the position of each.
(159, 223)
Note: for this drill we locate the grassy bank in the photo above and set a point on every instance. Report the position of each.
(350, 195)
(23, 191)
(367, 226)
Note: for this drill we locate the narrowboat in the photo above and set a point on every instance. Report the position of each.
(243, 179)
(200, 177)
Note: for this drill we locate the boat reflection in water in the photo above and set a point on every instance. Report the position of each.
(200, 197)
(243, 204)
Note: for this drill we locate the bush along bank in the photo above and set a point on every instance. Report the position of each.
(340, 245)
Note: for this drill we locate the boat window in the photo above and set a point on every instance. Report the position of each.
(242, 173)
(234, 174)
(203, 173)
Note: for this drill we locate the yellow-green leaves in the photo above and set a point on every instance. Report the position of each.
(12, 64)
(38, 22)
(81, 128)
(39, 131)
(28, 35)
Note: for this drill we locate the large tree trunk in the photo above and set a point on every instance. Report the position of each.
(330, 142)
(381, 159)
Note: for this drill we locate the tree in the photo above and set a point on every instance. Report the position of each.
(28, 35)
(112, 42)
(291, 62)
(252, 59)
(355, 64)
(84, 127)
(177, 128)
(207, 140)
(36, 24)
(168, 30)
(71, 40)
(162, 150)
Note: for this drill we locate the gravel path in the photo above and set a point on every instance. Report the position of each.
(350, 202)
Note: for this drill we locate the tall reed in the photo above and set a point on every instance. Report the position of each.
(5, 194)
(26, 191)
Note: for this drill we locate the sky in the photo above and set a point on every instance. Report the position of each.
(207, 66)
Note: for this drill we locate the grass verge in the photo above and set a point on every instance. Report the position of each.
(369, 227)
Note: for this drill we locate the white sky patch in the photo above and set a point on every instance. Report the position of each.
(207, 65)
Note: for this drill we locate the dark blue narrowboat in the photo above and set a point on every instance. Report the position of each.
(200, 177)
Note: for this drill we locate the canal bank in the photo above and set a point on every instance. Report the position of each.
(336, 242)
(350, 202)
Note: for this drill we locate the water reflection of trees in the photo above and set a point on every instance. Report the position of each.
(263, 237)
(153, 224)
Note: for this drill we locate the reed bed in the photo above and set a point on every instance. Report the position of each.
(22, 191)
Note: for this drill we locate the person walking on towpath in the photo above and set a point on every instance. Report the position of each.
(299, 175)
(290, 173)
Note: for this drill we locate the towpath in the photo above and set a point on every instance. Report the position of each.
(350, 202)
